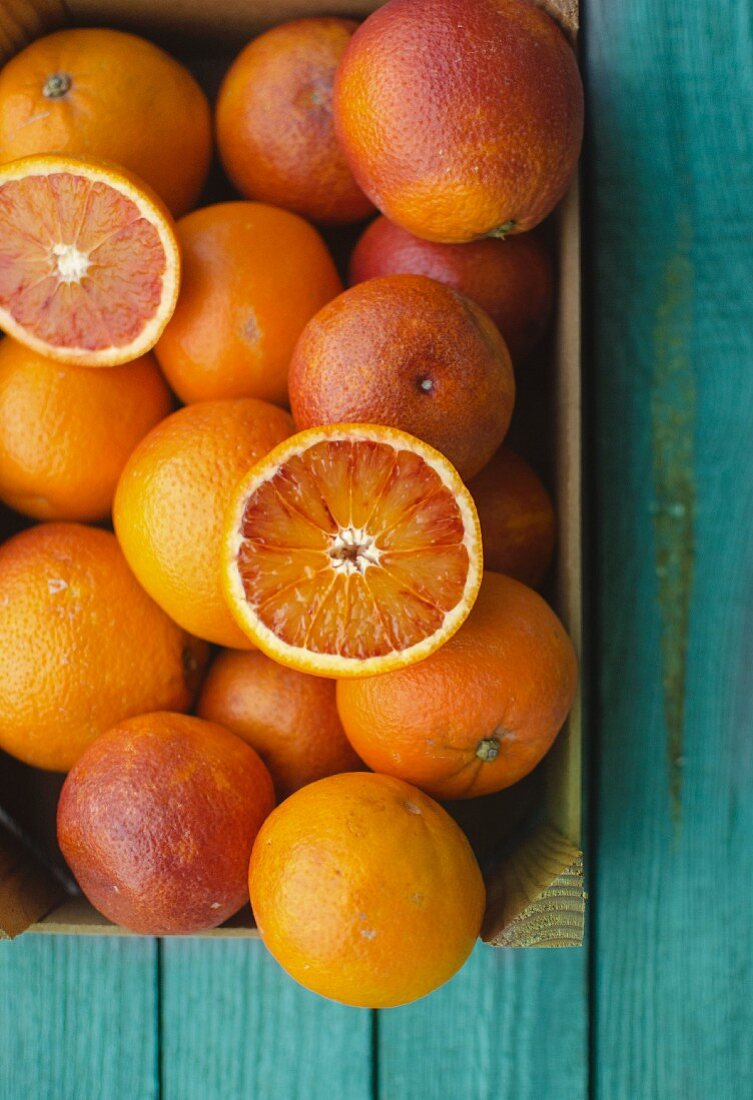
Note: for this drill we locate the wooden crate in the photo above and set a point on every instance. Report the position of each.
(528, 838)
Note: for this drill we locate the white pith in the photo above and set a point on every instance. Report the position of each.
(152, 329)
(353, 550)
(71, 264)
(326, 664)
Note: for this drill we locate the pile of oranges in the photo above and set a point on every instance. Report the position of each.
(255, 630)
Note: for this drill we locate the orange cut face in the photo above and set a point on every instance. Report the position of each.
(350, 550)
(88, 261)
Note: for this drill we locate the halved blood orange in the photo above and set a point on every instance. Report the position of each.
(89, 262)
(351, 550)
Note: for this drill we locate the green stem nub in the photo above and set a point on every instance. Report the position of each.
(487, 749)
(502, 230)
(56, 86)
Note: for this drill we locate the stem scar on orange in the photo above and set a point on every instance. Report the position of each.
(96, 92)
(350, 550)
(89, 261)
(479, 714)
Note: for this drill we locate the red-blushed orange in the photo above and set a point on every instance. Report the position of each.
(411, 353)
(460, 118)
(157, 820)
(513, 280)
(275, 132)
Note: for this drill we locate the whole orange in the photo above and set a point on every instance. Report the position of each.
(410, 353)
(275, 131)
(289, 717)
(82, 646)
(460, 118)
(157, 820)
(518, 524)
(365, 890)
(170, 506)
(513, 280)
(253, 275)
(66, 432)
(479, 713)
(110, 95)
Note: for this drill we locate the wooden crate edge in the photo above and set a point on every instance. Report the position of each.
(537, 898)
(27, 890)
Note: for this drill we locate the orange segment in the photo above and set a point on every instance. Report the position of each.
(89, 263)
(350, 550)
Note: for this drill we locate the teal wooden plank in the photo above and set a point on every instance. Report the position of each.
(512, 1023)
(671, 198)
(78, 1019)
(235, 1025)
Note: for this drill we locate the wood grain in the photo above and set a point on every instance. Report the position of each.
(510, 1024)
(234, 1024)
(671, 201)
(21, 21)
(27, 890)
(537, 898)
(78, 1019)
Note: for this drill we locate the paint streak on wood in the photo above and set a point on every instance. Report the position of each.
(673, 414)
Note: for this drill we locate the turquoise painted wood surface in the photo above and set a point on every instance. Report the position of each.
(669, 209)
(79, 1018)
(512, 1024)
(671, 94)
(234, 1025)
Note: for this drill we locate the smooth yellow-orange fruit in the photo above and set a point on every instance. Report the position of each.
(66, 432)
(365, 890)
(94, 92)
(170, 505)
(82, 646)
(253, 275)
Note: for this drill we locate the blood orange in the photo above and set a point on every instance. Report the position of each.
(89, 263)
(350, 550)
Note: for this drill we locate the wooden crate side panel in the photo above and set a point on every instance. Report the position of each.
(21, 21)
(27, 890)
